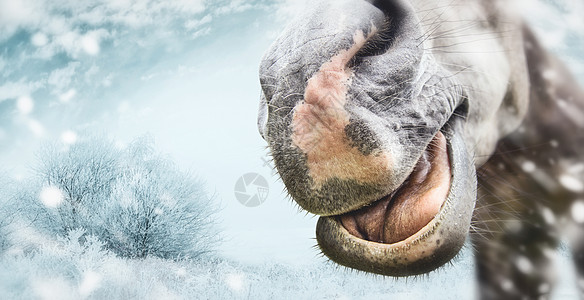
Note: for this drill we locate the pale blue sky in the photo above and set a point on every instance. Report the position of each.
(185, 72)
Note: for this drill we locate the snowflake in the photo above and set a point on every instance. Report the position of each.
(25, 105)
(571, 183)
(69, 137)
(67, 96)
(554, 143)
(578, 211)
(51, 196)
(507, 285)
(548, 215)
(39, 39)
(90, 45)
(528, 166)
(90, 283)
(544, 288)
(234, 282)
(36, 127)
(524, 265)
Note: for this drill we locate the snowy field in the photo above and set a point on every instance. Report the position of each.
(71, 271)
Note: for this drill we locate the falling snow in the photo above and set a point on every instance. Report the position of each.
(67, 96)
(39, 39)
(234, 282)
(69, 137)
(51, 196)
(91, 282)
(513, 225)
(548, 215)
(524, 265)
(554, 143)
(549, 74)
(25, 105)
(577, 211)
(90, 45)
(36, 127)
(182, 272)
(576, 168)
(528, 166)
(571, 183)
(544, 288)
(52, 289)
(507, 285)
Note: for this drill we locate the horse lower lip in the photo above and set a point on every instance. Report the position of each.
(410, 207)
(427, 249)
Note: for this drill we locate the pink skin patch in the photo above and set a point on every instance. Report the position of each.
(319, 125)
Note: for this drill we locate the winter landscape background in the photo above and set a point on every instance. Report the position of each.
(170, 88)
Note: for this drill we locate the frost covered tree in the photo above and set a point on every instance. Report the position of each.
(137, 202)
(73, 184)
(6, 210)
(156, 209)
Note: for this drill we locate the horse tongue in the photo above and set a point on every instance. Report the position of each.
(402, 214)
(420, 199)
(368, 222)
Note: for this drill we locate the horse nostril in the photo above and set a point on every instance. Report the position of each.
(398, 24)
(380, 43)
(388, 6)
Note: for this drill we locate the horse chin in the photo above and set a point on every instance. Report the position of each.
(353, 240)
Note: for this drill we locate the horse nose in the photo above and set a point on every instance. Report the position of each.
(323, 129)
(321, 81)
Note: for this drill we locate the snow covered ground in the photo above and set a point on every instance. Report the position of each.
(69, 270)
(85, 272)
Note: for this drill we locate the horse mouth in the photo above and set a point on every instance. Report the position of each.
(412, 206)
(419, 226)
